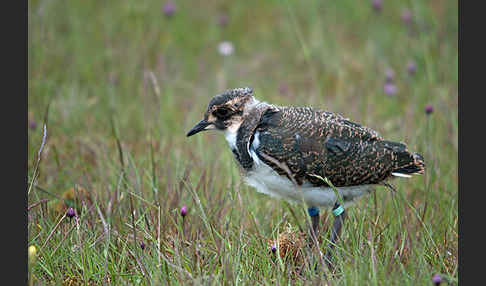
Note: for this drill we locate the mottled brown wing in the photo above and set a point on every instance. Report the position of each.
(313, 142)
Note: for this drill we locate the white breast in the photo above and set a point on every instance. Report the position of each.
(254, 146)
(267, 181)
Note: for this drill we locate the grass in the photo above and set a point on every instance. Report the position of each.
(124, 82)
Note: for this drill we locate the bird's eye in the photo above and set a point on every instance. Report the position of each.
(221, 113)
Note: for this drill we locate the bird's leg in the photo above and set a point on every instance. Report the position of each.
(314, 214)
(339, 214)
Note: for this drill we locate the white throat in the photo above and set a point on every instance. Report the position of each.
(232, 130)
(230, 135)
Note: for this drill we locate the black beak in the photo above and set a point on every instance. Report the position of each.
(198, 127)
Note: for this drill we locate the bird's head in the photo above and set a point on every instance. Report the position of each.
(226, 111)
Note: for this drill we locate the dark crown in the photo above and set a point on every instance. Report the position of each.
(230, 94)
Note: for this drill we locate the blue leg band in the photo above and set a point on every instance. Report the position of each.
(337, 211)
(313, 211)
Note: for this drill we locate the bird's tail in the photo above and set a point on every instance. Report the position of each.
(406, 163)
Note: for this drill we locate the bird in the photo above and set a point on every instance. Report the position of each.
(305, 154)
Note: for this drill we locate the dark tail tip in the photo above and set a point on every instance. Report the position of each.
(416, 165)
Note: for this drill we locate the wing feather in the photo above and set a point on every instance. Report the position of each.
(313, 142)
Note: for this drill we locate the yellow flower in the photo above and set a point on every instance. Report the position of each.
(32, 253)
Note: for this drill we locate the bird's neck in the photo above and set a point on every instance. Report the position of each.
(252, 104)
(248, 114)
(240, 138)
(230, 136)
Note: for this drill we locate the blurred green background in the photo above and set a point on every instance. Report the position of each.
(144, 72)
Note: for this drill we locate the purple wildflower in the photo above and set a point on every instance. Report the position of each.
(32, 124)
(390, 88)
(283, 88)
(274, 248)
(142, 245)
(377, 5)
(407, 17)
(169, 9)
(70, 212)
(437, 279)
(223, 20)
(183, 211)
(411, 67)
(429, 109)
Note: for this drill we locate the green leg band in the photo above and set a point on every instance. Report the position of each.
(337, 211)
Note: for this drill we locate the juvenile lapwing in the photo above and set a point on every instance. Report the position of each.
(293, 153)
